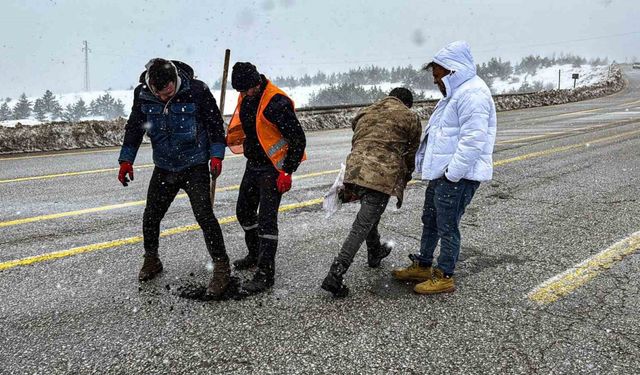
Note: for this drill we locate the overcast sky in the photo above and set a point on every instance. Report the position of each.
(41, 44)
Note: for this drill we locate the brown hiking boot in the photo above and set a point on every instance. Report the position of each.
(439, 283)
(414, 272)
(220, 279)
(151, 267)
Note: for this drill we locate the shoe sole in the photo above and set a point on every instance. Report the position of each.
(152, 276)
(216, 296)
(334, 293)
(419, 279)
(450, 290)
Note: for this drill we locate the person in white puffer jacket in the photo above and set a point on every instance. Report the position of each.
(455, 155)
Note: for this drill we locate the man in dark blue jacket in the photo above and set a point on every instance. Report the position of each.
(182, 119)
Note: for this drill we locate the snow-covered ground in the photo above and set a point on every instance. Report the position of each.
(301, 95)
(589, 75)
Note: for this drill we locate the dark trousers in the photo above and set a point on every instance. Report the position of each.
(257, 213)
(163, 188)
(444, 205)
(365, 226)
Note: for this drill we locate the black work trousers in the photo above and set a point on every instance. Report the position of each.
(163, 188)
(257, 213)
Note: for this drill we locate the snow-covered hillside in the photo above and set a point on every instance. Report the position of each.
(545, 77)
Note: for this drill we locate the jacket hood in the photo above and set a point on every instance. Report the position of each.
(457, 58)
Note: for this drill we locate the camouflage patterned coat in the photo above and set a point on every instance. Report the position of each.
(386, 136)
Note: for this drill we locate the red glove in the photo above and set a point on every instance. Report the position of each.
(283, 182)
(125, 167)
(216, 167)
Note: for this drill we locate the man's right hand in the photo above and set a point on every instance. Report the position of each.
(125, 168)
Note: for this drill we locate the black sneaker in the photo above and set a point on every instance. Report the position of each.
(335, 286)
(375, 256)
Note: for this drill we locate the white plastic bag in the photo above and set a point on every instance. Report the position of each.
(331, 202)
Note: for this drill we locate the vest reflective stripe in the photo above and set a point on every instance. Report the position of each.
(269, 136)
(275, 148)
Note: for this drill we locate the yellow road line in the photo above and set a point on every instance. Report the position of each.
(575, 112)
(556, 150)
(131, 240)
(582, 112)
(565, 283)
(570, 131)
(68, 174)
(131, 204)
(58, 154)
(183, 229)
(528, 138)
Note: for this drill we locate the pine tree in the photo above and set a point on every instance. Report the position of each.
(106, 106)
(48, 100)
(39, 110)
(80, 109)
(22, 109)
(56, 111)
(51, 105)
(69, 114)
(5, 112)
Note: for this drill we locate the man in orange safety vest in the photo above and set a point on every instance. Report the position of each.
(264, 128)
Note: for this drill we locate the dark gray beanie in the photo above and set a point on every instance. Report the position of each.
(244, 76)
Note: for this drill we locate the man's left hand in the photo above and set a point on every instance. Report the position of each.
(216, 167)
(283, 183)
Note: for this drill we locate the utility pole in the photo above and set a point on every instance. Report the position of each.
(559, 79)
(86, 50)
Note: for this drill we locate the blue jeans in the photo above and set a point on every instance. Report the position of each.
(444, 205)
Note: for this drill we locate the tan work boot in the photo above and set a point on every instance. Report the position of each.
(151, 267)
(415, 272)
(220, 279)
(437, 284)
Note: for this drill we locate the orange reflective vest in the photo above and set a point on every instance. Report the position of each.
(271, 140)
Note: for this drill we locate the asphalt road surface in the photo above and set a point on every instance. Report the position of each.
(544, 283)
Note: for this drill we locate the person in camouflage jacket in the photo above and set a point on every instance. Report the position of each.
(386, 136)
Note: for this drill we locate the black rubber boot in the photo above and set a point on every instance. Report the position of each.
(333, 282)
(263, 279)
(251, 260)
(376, 255)
(151, 267)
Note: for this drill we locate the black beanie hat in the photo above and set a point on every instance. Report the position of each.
(244, 76)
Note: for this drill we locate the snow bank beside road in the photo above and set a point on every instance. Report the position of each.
(548, 78)
(64, 136)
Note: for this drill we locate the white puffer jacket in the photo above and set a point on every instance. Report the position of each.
(461, 133)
